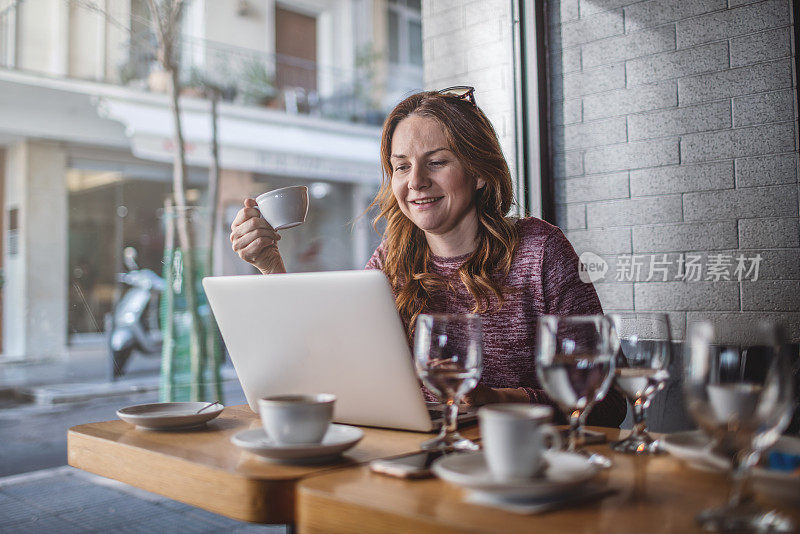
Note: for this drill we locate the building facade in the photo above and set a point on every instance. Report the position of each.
(86, 150)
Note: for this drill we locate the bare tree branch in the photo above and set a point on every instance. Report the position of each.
(91, 6)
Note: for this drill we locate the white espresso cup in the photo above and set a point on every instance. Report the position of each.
(295, 419)
(284, 208)
(513, 438)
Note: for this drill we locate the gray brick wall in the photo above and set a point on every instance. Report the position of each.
(469, 42)
(673, 136)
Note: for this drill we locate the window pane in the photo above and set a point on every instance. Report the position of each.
(394, 37)
(415, 43)
(108, 211)
(414, 4)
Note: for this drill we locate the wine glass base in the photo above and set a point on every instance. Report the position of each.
(449, 442)
(598, 460)
(643, 444)
(746, 519)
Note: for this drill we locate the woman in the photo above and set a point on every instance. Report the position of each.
(449, 247)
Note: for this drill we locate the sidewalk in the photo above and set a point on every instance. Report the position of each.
(85, 361)
(83, 375)
(64, 500)
(40, 402)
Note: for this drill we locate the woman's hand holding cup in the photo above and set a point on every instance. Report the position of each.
(255, 241)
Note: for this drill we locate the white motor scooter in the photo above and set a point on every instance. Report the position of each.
(134, 322)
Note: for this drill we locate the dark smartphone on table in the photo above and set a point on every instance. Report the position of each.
(414, 465)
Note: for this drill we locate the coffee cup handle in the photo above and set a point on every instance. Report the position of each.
(555, 437)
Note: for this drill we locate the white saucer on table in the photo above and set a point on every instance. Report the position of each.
(695, 448)
(169, 415)
(779, 485)
(584, 493)
(337, 439)
(564, 471)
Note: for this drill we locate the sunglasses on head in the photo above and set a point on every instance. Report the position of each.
(461, 92)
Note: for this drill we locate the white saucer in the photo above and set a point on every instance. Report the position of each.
(338, 439)
(694, 447)
(565, 470)
(780, 485)
(584, 493)
(169, 415)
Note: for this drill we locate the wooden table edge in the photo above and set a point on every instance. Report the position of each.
(346, 513)
(240, 497)
(244, 498)
(321, 508)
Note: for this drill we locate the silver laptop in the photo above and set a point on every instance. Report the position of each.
(331, 332)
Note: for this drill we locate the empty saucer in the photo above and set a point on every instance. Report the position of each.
(337, 439)
(564, 471)
(780, 485)
(579, 495)
(694, 448)
(169, 415)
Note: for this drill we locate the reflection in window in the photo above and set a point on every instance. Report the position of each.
(108, 211)
(405, 32)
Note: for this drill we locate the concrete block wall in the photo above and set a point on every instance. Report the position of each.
(469, 42)
(674, 137)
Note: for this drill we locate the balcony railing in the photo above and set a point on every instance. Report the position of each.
(244, 76)
(251, 77)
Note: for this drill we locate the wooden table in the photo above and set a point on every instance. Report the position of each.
(655, 494)
(204, 469)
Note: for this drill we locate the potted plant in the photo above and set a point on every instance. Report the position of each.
(257, 85)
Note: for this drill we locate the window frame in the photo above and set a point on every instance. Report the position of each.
(405, 15)
(534, 192)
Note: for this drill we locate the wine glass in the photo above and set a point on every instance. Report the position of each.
(575, 365)
(448, 355)
(741, 396)
(643, 355)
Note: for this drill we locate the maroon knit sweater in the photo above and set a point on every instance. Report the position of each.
(545, 274)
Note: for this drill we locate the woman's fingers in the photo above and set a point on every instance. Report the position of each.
(480, 395)
(253, 224)
(254, 240)
(257, 250)
(244, 215)
(249, 203)
(260, 237)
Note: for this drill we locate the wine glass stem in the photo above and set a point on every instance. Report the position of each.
(574, 429)
(450, 423)
(740, 474)
(639, 424)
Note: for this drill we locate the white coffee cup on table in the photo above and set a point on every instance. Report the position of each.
(284, 208)
(296, 419)
(513, 438)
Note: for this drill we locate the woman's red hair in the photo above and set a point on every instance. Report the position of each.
(474, 142)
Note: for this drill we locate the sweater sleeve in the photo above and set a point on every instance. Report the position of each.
(376, 260)
(566, 294)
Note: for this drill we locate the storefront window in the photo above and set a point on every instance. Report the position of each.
(107, 213)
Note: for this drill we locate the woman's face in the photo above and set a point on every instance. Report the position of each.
(429, 182)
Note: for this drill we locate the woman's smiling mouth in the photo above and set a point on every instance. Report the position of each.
(424, 202)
